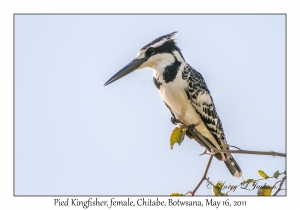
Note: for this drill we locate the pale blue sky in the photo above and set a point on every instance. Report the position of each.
(75, 137)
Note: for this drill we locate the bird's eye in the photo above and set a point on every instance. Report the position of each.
(150, 51)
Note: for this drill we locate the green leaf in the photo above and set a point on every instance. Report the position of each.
(177, 136)
(284, 172)
(250, 181)
(263, 174)
(276, 174)
(176, 194)
(216, 189)
(264, 191)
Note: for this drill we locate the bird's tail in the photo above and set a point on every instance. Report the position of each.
(233, 167)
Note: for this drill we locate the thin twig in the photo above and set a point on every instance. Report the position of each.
(207, 179)
(234, 147)
(279, 188)
(250, 152)
(204, 175)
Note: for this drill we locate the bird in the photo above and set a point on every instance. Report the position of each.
(185, 93)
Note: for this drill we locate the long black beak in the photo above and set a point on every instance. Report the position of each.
(133, 65)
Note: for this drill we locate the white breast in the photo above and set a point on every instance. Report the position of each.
(175, 97)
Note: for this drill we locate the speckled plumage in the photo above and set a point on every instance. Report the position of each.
(197, 88)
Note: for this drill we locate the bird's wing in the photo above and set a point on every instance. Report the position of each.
(202, 101)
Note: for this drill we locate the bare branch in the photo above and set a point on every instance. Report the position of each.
(279, 188)
(249, 152)
(204, 175)
(234, 147)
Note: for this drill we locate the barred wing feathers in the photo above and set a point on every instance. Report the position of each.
(202, 102)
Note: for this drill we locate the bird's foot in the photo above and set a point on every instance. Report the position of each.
(189, 128)
(188, 131)
(173, 120)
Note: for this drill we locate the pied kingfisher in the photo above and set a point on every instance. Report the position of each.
(184, 91)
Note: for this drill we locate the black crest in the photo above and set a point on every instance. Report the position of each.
(168, 38)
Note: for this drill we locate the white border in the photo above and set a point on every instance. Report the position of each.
(8, 8)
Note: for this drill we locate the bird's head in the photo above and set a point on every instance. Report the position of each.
(158, 54)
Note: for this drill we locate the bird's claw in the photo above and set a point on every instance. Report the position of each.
(188, 133)
(173, 120)
(189, 128)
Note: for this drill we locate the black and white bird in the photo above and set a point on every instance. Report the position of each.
(184, 91)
